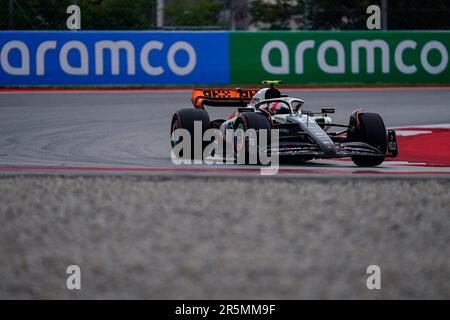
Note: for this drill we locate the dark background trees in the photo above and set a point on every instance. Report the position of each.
(348, 14)
(224, 14)
(95, 14)
(189, 13)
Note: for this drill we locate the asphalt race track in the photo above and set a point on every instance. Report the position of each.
(86, 179)
(50, 131)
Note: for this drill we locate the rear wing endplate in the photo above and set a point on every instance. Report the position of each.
(222, 97)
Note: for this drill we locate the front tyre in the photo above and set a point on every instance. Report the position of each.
(246, 146)
(369, 128)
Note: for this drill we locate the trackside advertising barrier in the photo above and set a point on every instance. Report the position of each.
(364, 57)
(117, 58)
(209, 58)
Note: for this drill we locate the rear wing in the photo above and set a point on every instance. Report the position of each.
(222, 97)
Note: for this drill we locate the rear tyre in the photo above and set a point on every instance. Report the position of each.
(243, 147)
(184, 119)
(371, 130)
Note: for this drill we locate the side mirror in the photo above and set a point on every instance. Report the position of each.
(327, 110)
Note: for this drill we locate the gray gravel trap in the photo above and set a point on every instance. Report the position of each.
(223, 238)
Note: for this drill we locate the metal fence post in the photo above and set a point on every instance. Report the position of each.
(384, 13)
(160, 14)
(306, 14)
(232, 15)
(10, 13)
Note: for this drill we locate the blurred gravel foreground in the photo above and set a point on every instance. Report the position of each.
(223, 238)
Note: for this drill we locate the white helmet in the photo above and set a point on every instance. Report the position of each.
(266, 93)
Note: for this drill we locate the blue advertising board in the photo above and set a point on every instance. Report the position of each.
(113, 58)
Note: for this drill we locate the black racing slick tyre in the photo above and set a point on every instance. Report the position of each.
(184, 119)
(244, 148)
(369, 128)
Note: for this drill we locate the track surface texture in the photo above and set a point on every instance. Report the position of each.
(131, 129)
(86, 179)
(150, 238)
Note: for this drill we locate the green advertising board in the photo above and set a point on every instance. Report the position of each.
(341, 57)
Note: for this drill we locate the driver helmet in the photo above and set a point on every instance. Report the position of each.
(278, 107)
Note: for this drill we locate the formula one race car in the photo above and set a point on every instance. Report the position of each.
(303, 135)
